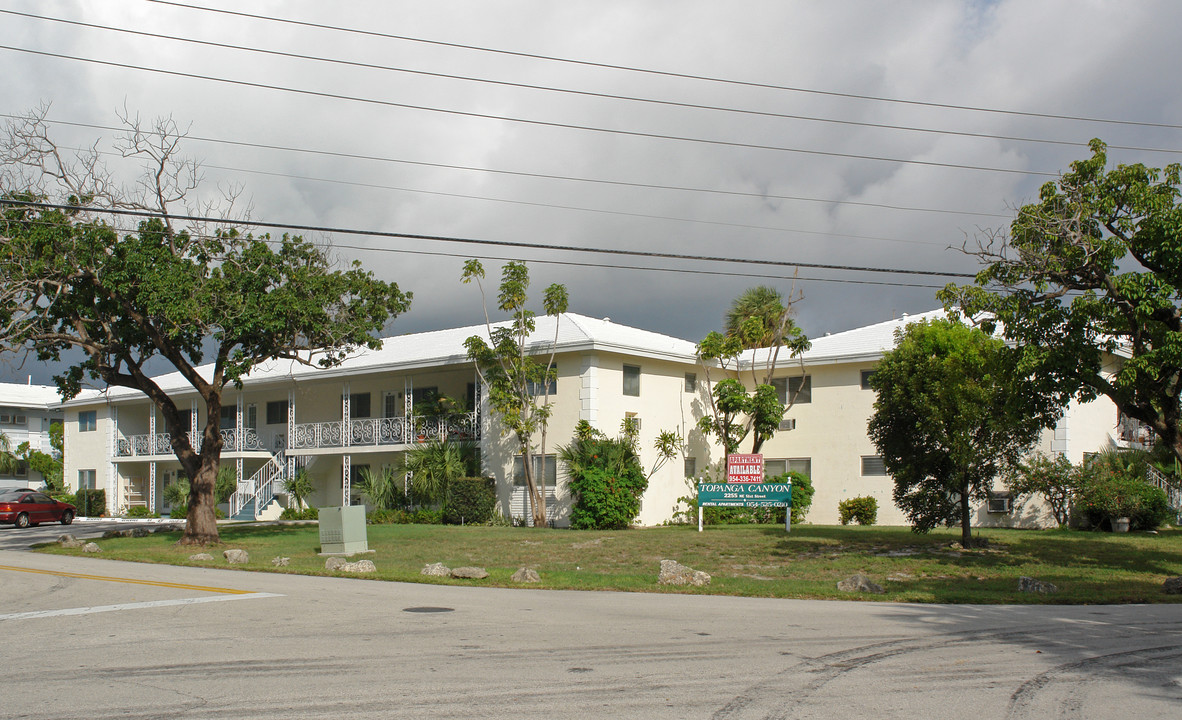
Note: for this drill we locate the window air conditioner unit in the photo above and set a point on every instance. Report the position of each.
(999, 505)
(788, 424)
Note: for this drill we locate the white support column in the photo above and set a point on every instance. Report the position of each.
(408, 409)
(152, 486)
(346, 423)
(112, 467)
(238, 445)
(291, 399)
(589, 389)
(194, 434)
(346, 479)
(152, 428)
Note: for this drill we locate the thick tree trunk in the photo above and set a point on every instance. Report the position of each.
(201, 526)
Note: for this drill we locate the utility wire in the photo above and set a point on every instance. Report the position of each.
(584, 93)
(486, 242)
(665, 73)
(527, 121)
(542, 176)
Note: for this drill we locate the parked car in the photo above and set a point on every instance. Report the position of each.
(24, 508)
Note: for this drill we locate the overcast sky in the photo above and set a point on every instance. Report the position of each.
(788, 163)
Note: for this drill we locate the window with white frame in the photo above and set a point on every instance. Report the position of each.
(390, 404)
(866, 375)
(277, 412)
(252, 417)
(358, 405)
(87, 421)
(549, 463)
(774, 467)
(798, 389)
(87, 480)
(691, 467)
(872, 465)
(229, 418)
(631, 380)
(691, 382)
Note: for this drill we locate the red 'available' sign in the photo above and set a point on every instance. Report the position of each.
(744, 468)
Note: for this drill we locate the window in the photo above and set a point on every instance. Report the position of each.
(252, 417)
(358, 405)
(691, 467)
(873, 465)
(777, 467)
(866, 375)
(9, 417)
(229, 419)
(551, 464)
(631, 423)
(86, 480)
(797, 389)
(21, 469)
(277, 412)
(537, 389)
(88, 421)
(691, 382)
(632, 380)
(390, 405)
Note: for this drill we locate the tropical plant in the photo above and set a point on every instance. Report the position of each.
(227, 484)
(511, 374)
(176, 493)
(435, 464)
(299, 487)
(1112, 485)
(862, 510)
(606, 479)
(472, 501)
(9, 462)
(1056, 479)
(382, 489)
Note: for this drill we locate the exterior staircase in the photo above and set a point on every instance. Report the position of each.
(257, 493)
(1173, 491)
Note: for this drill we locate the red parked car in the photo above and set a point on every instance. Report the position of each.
(24, 508)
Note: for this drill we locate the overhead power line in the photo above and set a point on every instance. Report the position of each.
(666, 73)
(491, 243)
(529, 121)
(542, 176)
(570, 91)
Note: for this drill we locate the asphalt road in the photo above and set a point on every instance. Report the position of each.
(93, 638)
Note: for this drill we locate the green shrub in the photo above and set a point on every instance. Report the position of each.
(802, 499)
(606, 480)
(473, 500)
(298, 514)
(802, 494)
(178, 511)
(863, 510)
(1104, 497)
(426, 517)
(141, 511)
(62, 496)
(387, 517)
(227, 484)
(90, 503)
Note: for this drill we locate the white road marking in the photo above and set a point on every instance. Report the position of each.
(132, 606)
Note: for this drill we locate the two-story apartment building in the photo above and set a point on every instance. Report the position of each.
(332, 423)
(26, 412)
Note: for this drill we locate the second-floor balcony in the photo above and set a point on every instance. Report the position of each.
(161, 444)
(385, 431)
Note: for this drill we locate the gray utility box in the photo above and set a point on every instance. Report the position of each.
(342, 530)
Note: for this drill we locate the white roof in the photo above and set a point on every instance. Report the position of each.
(444, 347)
(41, 397)
(864, 343)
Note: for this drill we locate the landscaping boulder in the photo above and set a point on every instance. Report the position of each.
(280, 561)
(236, 556)
(859, 583)
(116, 534)
(91, 548)
(526, 575)
(361, 566)
(469, 573)
(1172, 586)
(333, 563)
(201, 557)
(1030, 585)
(69, 541)
(140, 532)
(436, 569)
(674, 573)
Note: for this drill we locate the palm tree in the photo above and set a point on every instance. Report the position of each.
(435, 465)
(9, 462)
(758, 317)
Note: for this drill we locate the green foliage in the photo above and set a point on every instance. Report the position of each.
(862, 510)
(509, 372)
(1090, 271)
(1112, 486)
(802, 494)
(140, 511)
(686, 510)
(1056, 479)
(606, 479)
(90, 503)
(176, 493)
(473, 501)
(383, 489)
(227, 484)
(48, 464)
(435, 465)
(953, 410)
(300, 514)
(299, 487)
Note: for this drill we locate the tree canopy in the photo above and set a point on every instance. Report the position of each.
(211, 301)
(952, 411)
(1088, 282)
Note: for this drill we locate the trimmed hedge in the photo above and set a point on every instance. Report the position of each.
(90, 503)
(472, 501)
(863, 510)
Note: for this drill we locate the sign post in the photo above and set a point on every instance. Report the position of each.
(745, 488)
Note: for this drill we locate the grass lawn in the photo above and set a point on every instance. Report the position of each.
(746, 560)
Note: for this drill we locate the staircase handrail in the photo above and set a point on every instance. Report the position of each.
(259, 485)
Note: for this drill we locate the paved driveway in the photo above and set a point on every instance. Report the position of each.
(103, 639)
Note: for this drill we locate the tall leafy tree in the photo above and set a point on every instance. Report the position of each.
(758, 320)
(953, 410)
(207, 299)
(49, 464)
(509, 369)
(1088, 282)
